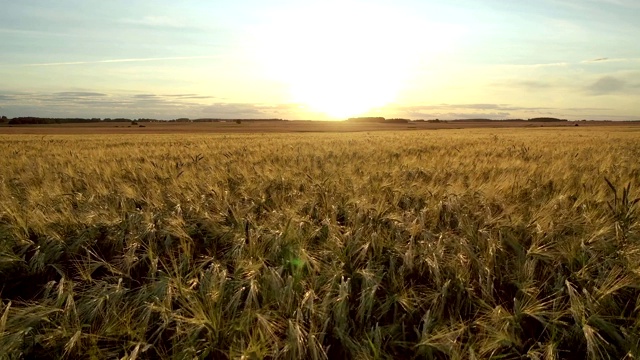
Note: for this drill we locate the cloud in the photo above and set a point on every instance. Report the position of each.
(532, 84)
(90, 104)
(189, 96)
(478, 106)
(248, 110)
(168, 25)
(79, 94)
(156, 22)
(623, 3)
(455, 111)
(607, 85)
(481, 115)
(600, 60)
(503, 107)
(147, 105)
(487, 111)
(180, 95)
(33, 33)
(597, 60)
(587, 109)
(609, 60)
(110, 61)
(622, 83)
(539, 65)
(7, 97)
(529, 85)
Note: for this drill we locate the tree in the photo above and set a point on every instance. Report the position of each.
(3, 119)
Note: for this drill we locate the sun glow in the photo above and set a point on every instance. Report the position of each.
(341, 59)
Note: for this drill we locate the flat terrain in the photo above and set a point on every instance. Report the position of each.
(278, 126)
(450, 244)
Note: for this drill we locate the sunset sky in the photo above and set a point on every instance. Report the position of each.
(574, 59)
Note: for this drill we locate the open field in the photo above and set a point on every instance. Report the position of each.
(461, 244)
(280, 127)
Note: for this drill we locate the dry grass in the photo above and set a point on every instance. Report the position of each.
(453, 244)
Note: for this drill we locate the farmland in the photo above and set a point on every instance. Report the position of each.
(455, 243)
(252, 127)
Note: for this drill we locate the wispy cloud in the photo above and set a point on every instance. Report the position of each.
(596, 60)
(624, 3)
(490, 111)
(609, 60)
(34, 33)
(502, 107)
(80, 94)
(607, 85)
(7, 97)
(540, 65)
(155, 21)
(588, 109)
(110, 61)
(162, 106)
(599, 60)
(189, 96)
(249, 110)
(529, 84)
(461, 111)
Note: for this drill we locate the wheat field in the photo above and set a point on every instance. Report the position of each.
(447, 244)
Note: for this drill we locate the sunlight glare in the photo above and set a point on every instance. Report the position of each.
(342, 59)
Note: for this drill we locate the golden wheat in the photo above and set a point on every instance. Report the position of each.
(433, 244)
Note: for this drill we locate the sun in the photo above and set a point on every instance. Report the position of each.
(340, 58)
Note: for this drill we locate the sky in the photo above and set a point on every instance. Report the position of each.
(326, 60)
